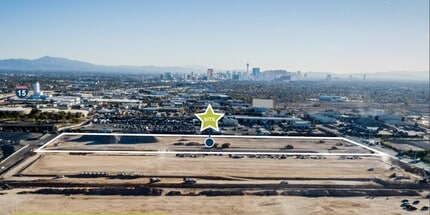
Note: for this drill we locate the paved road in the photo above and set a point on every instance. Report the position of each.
(392, 153)
(14, 158)
(20, 153)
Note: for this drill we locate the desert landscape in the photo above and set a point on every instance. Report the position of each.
(251, 175)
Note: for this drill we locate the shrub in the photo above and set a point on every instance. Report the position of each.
(289, 146)
(192, 144)
(225, 145)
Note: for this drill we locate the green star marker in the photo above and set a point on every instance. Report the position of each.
(209, 119)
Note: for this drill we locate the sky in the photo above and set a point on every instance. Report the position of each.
(342, 36)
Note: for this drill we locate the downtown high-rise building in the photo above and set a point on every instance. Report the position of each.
(255, 72)
(210, 74)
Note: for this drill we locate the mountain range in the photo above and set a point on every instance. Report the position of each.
(58, 64)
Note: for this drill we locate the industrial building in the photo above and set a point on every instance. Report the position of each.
(326, 98)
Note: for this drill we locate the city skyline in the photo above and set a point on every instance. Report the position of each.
(329, 36)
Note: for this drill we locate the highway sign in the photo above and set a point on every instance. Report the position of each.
(21, 91)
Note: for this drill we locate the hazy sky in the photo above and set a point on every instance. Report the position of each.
(309, 35)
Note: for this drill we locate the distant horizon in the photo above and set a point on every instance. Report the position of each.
(335, 36)
(206, 67)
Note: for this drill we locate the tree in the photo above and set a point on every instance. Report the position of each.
(7, 150)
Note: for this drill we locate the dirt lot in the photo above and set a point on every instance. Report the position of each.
(19, 203)
(53, 164)
(221, 173)
(87, 142)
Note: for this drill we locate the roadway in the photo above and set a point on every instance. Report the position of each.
(392, 153)
(14, 158)
(20, 153)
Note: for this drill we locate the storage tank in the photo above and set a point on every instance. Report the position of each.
(36, 89)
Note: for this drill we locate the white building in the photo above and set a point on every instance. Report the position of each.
(263, 103)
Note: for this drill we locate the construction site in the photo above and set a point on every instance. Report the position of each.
(176, 174)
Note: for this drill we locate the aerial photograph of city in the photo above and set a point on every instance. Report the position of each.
(118, 107)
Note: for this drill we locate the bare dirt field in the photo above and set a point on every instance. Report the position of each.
(169, 165)
(225, 184)
(20, 203)
(186, 143)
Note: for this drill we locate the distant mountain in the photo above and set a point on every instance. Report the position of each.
(47, 63)
(400, 75)
(62, 64)
(376, 76)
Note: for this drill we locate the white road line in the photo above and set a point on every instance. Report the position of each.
(366, 147)
(49, 142)
(14, 154)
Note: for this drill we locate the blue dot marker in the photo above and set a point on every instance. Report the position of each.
(209, 142)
